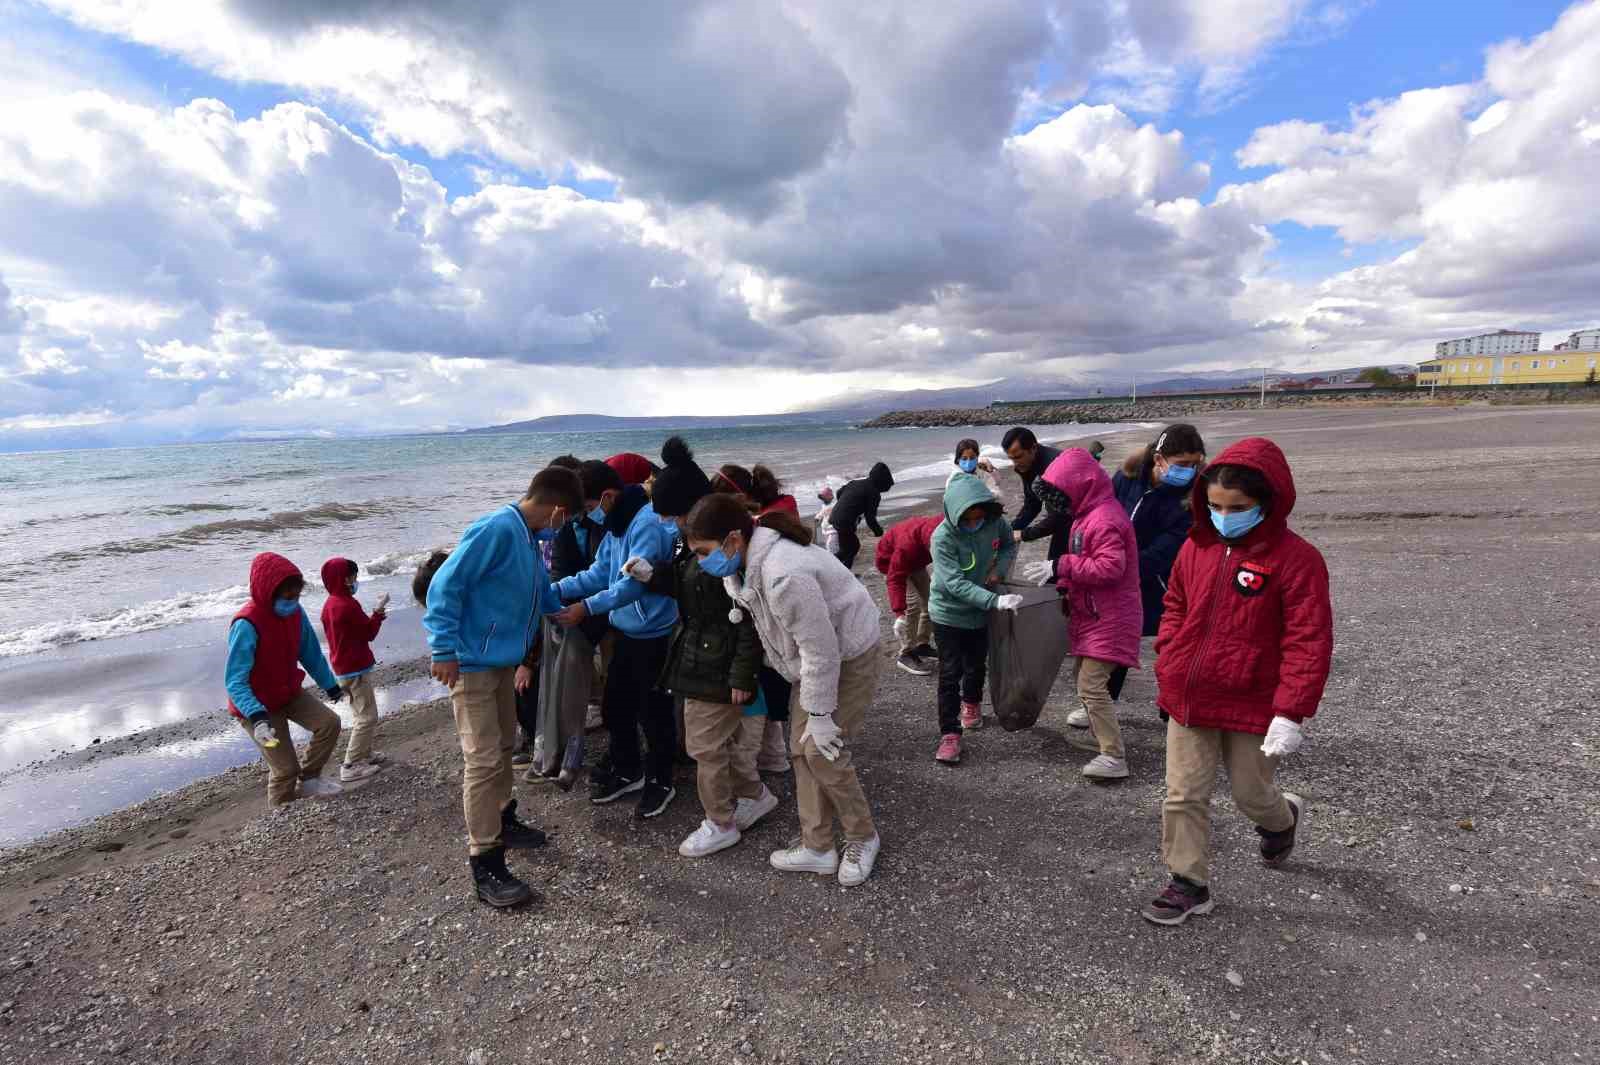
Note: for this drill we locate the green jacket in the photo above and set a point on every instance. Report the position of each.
(965, 562)
(710, 654)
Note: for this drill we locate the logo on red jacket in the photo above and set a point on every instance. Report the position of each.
(1250, 579)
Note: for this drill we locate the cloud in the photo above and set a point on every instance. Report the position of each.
(1491, 182)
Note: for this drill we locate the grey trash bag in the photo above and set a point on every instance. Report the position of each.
(566, 673)
(1026, 650)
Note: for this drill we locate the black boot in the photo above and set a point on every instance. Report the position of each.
(516, 833)
(496, 884)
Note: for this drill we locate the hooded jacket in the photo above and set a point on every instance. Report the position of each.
(634, 610)
(1099, 573)
(1247, 634)
(905, 549)
(812, 614)
(347, 627)
(485, 602)
(1161, 519)
(965, 562)
(711, 653)
(262, 674)
(860, 499)
(784, 503)
(632, 468)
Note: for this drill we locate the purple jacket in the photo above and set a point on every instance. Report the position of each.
(1099, 574)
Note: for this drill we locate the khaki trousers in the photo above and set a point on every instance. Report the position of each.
(1193, 755)
(919, 626)
(724, 747)
(1092, 674)
(363, 717)
(823, 789)
(285, 770)
(485, 705)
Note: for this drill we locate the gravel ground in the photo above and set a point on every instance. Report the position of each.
(1441, 905)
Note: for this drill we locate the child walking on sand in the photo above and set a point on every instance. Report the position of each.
(1242, 658)
(484, 606)
(972, 553)
(820, 629)
(350, 632)
(1099, 575)
(269, 639)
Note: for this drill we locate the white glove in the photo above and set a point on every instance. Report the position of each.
(1012, 603)
(262, 733)
(822, 731)
(1283, 737)
(901, 627)
(639, 569)
(1040, 573)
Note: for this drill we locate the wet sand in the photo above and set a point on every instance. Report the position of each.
(1440, 906)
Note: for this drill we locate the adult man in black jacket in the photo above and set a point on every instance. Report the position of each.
(857, 500)
(1030, 459)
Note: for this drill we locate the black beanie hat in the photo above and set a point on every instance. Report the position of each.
(681, 483)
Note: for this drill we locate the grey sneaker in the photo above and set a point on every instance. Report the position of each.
(914, 665)
(1105, 767)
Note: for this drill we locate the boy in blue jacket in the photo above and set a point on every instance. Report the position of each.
(484, 608)
(641, 622)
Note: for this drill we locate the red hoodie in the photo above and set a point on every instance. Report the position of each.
(905, 548)
(784, 503)
(276, 677)
(632, 468)
(348, 628)
(1247, 633)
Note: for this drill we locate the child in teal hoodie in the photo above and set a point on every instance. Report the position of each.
(973, 550)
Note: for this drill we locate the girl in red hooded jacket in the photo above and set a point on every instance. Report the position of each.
(1243, 653)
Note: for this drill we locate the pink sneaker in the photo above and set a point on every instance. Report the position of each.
(949, 752)
(971, 717)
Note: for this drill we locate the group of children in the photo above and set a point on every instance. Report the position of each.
(709, 592)
(1199, 556)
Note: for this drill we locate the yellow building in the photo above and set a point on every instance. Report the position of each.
(1529, 368)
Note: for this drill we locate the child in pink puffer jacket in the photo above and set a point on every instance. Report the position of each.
(1099, 576)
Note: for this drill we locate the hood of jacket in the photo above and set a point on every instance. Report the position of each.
(631, 467)
(336, 576)
(628, 504)
(267, 571)
(1259, 454)
(964, 492)
(880, 477)
(1139, 464)
(1077, 475)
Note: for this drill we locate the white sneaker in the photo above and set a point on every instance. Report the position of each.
(709, 838)
(858, 861)
(1079, 718)
(349, 774)
(318, 788)
(1105, 767)
(802, 859)
(746, 812)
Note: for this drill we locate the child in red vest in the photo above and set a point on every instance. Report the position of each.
(1243, 654)
(350, 632)
(269, 639)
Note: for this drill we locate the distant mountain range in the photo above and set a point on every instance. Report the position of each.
(863, 406)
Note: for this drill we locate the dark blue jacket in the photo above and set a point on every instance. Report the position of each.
(1161, 520)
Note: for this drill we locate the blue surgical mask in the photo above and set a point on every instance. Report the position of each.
(721, 564)
(1232, 526)
(971, 526)
(286, 608)
(598, 515)
(1178, 476)
(355, 586)
(968, 465)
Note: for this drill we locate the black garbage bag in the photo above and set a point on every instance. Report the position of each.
(1026, 650)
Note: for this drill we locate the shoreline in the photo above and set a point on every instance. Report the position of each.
(1439, 899)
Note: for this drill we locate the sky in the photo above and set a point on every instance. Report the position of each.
(246, 217)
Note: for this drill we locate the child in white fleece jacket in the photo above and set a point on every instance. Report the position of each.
(821, 630)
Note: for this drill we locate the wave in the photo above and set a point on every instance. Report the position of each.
(179, 609)
(206, 532)
(267, 475)
(172, 510)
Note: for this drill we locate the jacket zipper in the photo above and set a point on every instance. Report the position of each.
(1205, 641)
(489, 638)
